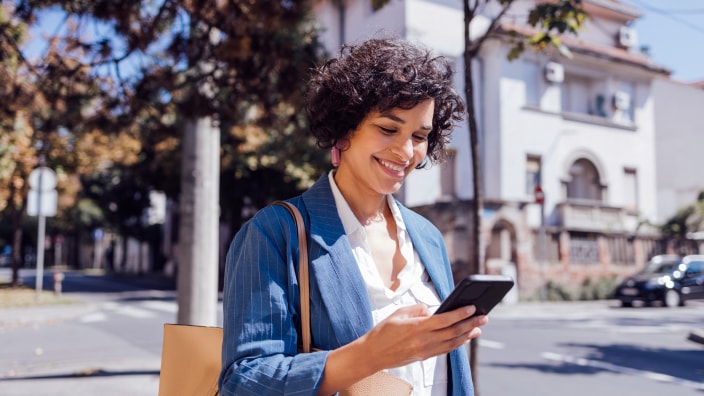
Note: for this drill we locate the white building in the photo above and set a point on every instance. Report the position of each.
(678, 145)
(583, 128)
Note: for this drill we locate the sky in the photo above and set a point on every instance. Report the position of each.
(674, 32)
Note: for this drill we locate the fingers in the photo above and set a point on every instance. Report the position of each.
(449, 318)
(412, 333)
(457, 327)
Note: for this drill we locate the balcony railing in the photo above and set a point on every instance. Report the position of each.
(591, 216)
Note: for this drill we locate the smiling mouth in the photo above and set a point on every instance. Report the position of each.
(392, 166)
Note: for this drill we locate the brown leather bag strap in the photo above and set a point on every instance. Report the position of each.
(303, 277)
(378, 383)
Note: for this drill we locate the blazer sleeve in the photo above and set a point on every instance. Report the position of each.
(260, 300)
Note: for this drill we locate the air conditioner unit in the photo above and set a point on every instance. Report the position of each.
(627, 37)
(554, 72)
(622, 100)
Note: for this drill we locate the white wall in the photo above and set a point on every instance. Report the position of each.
(679, 125)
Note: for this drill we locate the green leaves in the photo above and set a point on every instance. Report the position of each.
(688, 219)
(552, 20)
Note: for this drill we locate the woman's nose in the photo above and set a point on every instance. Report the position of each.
(404, 148)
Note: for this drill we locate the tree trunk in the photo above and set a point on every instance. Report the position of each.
(16, 215)
(197, 279)
(16, 252)
(475, 261)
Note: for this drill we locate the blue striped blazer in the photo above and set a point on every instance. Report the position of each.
(261, 297)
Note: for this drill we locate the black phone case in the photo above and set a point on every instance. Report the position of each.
(482, 291)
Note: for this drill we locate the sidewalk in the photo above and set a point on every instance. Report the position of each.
(41, 355)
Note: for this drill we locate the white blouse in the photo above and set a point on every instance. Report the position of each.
(428, 377)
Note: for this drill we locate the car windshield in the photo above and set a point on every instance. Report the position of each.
(659, 268)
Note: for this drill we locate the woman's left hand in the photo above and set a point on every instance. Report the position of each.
(412, 334)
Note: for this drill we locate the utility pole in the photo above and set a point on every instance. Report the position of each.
(542, 240)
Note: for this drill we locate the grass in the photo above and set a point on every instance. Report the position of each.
(23, 296)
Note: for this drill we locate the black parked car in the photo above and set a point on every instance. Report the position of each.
(667, 279)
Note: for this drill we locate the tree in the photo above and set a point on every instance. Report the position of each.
(552, 20)
(687, 220)
(44, 120)
(191, 69)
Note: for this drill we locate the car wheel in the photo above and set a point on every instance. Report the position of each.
(672, 298)
(626, 304)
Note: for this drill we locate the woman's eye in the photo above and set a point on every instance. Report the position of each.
(420, 138)
(388, 131)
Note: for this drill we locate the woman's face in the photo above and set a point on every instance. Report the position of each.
(385, 148)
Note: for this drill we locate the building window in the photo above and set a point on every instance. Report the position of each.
(630, 190)
(575, 95)
(584, 183)
(583, 95)
(533, 173)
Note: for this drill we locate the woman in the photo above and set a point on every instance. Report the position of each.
(377, 269)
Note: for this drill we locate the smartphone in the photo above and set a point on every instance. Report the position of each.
(481, 290)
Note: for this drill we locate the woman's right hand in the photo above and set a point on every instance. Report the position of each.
(408, 335)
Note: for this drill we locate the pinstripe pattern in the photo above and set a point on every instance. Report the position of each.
(261, 301)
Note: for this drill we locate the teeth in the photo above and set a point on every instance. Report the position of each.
(391, 166)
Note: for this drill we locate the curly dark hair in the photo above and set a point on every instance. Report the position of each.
(380, 75)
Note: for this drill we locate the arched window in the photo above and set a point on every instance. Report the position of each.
(584, 181)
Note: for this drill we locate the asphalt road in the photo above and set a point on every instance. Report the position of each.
(109, 343)
(591, 348)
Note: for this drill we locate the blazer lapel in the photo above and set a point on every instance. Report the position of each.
(430, 253)
(334, 269)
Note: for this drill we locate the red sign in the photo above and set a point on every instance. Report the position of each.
(539, 195)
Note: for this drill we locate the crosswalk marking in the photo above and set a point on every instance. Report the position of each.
(94, 317)
(144, 310)
(134, 312)
(164, 306)
(622, 370)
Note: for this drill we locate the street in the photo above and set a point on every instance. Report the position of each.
(586, 348)
(109, 343)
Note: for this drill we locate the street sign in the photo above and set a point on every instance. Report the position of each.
(539, 195)
(48, 205)
(41, 202)
(43, 198)
(43, 179)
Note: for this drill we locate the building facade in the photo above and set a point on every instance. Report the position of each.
(679, 142)
(581, 128)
